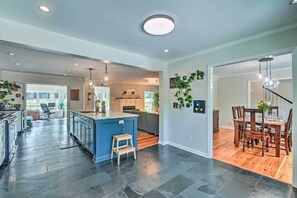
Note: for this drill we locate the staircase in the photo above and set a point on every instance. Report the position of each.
(284, 104)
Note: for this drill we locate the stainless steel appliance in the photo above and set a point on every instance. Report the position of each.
(2, 141)
(11, 135)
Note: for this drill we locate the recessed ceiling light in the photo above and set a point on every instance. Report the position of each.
(44, 8)
(65, 74)
(166, 51)
(69, 70)
(21, 70)
(17, 63)
(10, 54)
(106, 61)
(293, 2)
(158, 25)
(75, 64)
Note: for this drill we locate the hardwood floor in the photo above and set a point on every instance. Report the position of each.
(269, 165)
(146, 140)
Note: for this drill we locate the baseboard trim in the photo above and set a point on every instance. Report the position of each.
(226, 127)
(163, 142)
(202, 154)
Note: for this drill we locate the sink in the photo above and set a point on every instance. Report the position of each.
(87, 111)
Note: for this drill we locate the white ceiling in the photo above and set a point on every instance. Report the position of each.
(35, 61)
(200, 24)
(278, 62)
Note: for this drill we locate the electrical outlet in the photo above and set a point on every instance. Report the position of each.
(121, 122)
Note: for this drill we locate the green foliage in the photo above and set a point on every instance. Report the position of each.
(183, 94)
(156, 100)
(6, 88)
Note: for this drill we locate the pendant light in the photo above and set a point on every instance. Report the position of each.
(91, 82)
(106, 76)
(259, 74)
(268, 82)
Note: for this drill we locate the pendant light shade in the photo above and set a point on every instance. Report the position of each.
(91, 81)
(106, 79)
(268, 82)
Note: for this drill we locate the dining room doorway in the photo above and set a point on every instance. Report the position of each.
(238, 85)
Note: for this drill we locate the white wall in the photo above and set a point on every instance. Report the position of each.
(190, 131)
(73, 83)
(234, 91)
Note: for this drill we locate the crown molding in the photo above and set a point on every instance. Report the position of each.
(239, 41)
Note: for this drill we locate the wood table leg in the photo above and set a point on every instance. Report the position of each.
(277, 140)
(236, 134)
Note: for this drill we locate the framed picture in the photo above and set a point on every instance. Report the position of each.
(172, 83)
(199, 106)
(74, 94)
(18, 95)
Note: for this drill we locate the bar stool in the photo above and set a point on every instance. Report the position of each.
(125, 149)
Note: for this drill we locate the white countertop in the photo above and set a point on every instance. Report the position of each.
(103, 116)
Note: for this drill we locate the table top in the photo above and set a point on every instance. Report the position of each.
(272, 121)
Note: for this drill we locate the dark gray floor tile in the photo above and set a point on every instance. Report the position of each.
(153, 194)
(175, 186)
(130, 192)
(41, 169)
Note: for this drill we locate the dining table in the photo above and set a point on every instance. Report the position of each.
(275, 123)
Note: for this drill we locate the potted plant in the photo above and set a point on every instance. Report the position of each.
(264, 106)
(6, 87)
(200, 75)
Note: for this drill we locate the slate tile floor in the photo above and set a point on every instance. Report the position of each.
(40, 169)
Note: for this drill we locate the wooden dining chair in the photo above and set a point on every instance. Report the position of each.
(273, 110)
(235, 110)
(253, 132)
(240, 111)
(286, 134)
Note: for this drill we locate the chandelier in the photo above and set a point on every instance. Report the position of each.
(268, 82)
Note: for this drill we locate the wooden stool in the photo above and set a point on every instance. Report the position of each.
(125, 149)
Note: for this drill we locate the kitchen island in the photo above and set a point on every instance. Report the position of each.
(94, 131)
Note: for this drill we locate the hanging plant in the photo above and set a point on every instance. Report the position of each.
(6, 88)
(183, 94)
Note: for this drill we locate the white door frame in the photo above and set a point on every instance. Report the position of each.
(210, 101)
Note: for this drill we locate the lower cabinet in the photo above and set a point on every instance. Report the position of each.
(83, 131)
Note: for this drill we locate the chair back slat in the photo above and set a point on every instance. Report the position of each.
(253, 114)
(288, 125)
(234, 112)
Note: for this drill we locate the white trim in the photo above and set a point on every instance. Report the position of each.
(202, 154)
(209, 115)
(239, 41)
(227, 127)
(163, 142)
(294, 128)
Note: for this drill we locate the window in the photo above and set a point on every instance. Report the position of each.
(31, 95)
(103, 94)
(43, 95)
(149, 101)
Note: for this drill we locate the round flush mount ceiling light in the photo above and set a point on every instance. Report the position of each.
(10, 54)
(166, 50)
(44, 8)
(158, 25)
(293, 2)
